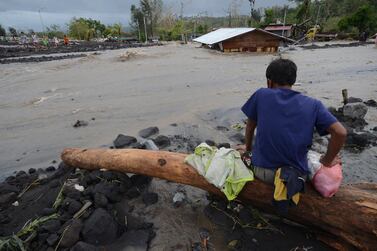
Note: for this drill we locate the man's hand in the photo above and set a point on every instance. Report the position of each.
(338, 137)
(330, 163)
(241, 148)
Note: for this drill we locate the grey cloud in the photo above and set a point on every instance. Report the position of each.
(23, 14)
(67, 6)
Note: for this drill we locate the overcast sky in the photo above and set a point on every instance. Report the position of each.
(24, 14)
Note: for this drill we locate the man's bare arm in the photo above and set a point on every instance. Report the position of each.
(338, 138)
(249, 133)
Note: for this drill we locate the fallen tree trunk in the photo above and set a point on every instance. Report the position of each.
(348, 218)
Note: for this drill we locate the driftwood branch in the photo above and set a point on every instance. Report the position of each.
(348, 219)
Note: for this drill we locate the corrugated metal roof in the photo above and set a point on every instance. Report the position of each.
(222, 34)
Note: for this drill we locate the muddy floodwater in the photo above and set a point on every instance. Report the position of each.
(40, 102)
(123, 91)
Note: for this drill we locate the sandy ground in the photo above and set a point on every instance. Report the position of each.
(39, 103)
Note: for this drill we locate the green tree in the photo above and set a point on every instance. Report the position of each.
(178, 30)
(303, 10)
(152, 10)
(331, 24)
(137, 21)
(200, 29)
(12, 31)
(205, 28)
(256, 15)
(3, 32)
(268, 16)
(364, 18)
(54, 31)
(78, 29)
(97, 28)
(82, 28)
(90, 34)
(107, 32)
(117, 29)
(114, 30)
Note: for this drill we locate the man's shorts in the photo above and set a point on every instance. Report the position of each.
(264, 174)
(267, 175)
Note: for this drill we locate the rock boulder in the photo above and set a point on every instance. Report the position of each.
(123, 141)
(355, 110)
(100, 228)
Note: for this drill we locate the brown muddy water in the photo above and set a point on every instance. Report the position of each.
(39, 103)
(196, 88)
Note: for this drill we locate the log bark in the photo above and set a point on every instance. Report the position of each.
(350, 216)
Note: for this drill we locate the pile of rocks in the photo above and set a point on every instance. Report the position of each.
(151, 140)
(326, 46)
(352, 116)
(20, 51)
(247, 229)
(147, 142)
(39, 59)
(13, 186)
(87, 210)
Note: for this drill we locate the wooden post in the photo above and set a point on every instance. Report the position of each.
(345, 96)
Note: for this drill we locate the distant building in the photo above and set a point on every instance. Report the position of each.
(279, 29)
(242, 39)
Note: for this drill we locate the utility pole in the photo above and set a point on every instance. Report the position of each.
(181, 13)
(138, 29)
(195, 28)
(252, 3)
(285, 16)
(183, 38)
(40, 17)
(230, 18)
(145, 30)
(319, 10)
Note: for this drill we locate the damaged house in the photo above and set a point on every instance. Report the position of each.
(242, 39)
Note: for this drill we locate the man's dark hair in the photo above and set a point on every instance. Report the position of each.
(282, 72)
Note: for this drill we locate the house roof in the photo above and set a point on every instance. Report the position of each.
(278, 27)
(223, 34)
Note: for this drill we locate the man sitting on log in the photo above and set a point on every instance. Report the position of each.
(286, 120)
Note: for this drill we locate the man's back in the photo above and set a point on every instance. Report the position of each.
(285, 124)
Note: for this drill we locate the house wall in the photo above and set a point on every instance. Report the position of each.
(255, 41)
(286, 33)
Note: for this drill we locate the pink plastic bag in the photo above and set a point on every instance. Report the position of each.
(327, 180)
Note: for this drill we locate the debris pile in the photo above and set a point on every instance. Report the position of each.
(128, 55)
(39, 59)
(337, 45)
(247, 229)
(20, 51)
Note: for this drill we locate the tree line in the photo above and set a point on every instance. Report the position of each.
(152, 18)
(338, 15)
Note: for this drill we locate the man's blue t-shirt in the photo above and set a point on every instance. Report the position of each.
(285, 125)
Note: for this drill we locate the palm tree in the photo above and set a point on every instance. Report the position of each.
(117, 29)
(90, 33)
(303, 11)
